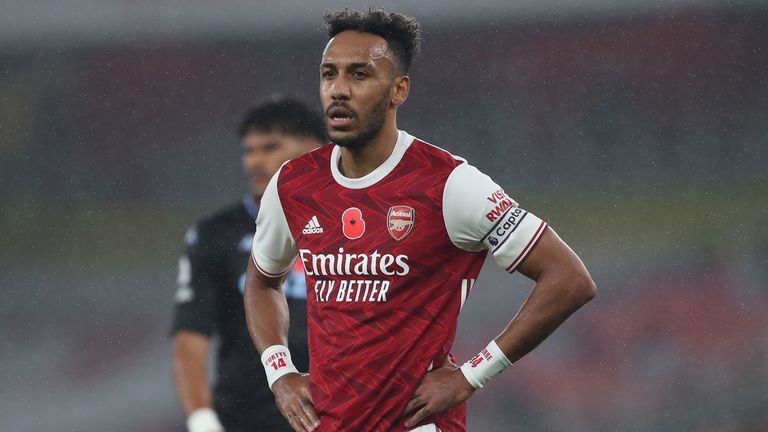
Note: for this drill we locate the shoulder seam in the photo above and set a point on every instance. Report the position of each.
(453, 156)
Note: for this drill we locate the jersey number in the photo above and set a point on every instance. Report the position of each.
(476, 360)
(278, 364)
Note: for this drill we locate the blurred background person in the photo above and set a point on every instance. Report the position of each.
(208, 300)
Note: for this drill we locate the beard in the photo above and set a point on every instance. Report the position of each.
(368, 130)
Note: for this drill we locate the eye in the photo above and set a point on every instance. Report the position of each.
(328, 74)
(271, 147)
(358, 74)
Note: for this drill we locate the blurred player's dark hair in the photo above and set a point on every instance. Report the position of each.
(401, 32)
(285, 115)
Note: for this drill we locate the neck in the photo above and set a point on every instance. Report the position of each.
(356, 163)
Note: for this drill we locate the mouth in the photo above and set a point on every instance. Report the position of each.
(339, 117)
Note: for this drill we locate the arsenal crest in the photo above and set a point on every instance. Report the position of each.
(400, 220)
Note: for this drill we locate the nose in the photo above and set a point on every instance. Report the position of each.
(255, 159)
(340, 88)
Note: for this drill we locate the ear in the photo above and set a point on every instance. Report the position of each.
(400, 89)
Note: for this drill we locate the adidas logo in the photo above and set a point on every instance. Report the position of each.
(312, 227)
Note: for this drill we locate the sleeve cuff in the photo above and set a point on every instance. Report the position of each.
(268, 269)
(528, 247)
(513, 237)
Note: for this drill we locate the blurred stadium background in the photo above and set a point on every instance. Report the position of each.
(638, 129)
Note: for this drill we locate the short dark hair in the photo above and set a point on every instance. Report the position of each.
(401, 32)
(285, 115)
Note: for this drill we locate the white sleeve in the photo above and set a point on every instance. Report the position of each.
(479, 215)
(274, 250)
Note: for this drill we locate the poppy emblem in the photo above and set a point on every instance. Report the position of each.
(352, 223)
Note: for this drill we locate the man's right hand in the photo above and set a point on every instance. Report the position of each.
(295, 402)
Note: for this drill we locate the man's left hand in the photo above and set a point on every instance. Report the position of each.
(440, 390)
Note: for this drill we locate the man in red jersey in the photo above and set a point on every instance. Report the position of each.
(392, 233)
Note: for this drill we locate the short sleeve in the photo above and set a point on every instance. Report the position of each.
(479, 215)
(274, 250)
(195, 299)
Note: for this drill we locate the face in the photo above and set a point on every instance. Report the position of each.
(265, 152)
(357, 85)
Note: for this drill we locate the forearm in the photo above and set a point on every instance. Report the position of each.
(189, 371)
(554, 298)
(266, 309)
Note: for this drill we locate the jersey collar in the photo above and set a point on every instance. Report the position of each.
(404, 141)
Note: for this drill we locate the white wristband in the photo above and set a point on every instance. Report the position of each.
(277, 362)
(485, 365)
(204, 420)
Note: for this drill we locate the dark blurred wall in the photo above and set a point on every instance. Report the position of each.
(642, 140)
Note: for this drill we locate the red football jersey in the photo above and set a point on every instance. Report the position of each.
(389, 260)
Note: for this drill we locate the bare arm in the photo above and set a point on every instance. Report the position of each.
(190, 352)
(563, 285)
(194, 319)
(266, 311)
